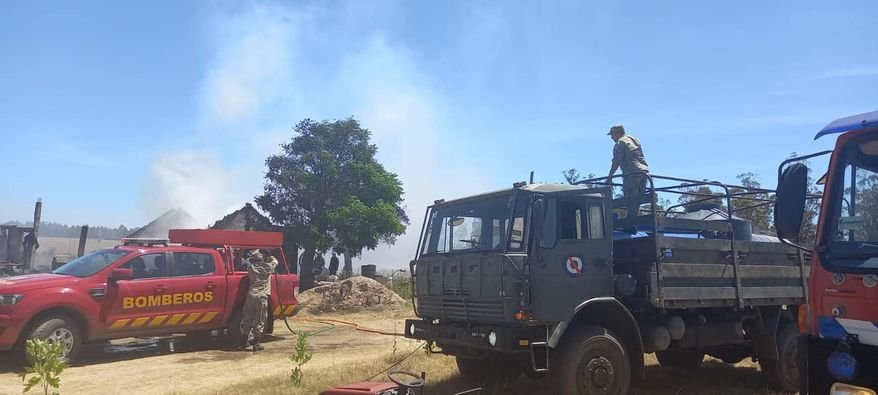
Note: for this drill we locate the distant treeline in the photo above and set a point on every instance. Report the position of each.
(51, 229)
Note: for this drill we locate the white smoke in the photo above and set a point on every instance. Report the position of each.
(250, 89)
(195, 182)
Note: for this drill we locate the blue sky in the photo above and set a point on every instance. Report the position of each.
(113, 112)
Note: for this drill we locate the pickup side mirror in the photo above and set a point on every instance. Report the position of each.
(789, 206)
(538, 215)
(120, 274)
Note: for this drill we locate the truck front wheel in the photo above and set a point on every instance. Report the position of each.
(593, 361)
(59, 330)
(687, 358)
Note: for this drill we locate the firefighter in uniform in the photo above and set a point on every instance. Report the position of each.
(628, 155)
(256, 305)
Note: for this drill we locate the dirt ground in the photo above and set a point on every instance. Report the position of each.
(343, 354)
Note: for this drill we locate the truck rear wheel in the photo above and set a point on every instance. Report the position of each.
(687, 358)
(593, 361)
(61, 330)
(783, 374)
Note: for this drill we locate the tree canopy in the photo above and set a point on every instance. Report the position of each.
(328, 190)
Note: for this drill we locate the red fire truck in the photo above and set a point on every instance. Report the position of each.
(194, 283)
(838, 349)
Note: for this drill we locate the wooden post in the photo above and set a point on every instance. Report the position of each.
(30, 242)
(83, 236)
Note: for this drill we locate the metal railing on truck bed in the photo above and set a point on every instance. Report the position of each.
(698, 253)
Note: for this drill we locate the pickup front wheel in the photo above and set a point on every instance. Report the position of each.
(59, 330)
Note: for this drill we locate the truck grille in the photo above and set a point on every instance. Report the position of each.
(455, 292)
(461, 309)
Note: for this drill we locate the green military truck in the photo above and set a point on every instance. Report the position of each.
(571, 284)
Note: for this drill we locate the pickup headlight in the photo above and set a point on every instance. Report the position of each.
(10, 300)
(847, 389)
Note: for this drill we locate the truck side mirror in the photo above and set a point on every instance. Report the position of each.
(789, 205)
(120, 274)
(538, 215)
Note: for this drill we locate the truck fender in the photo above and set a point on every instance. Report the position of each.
(609, 313)
(765, 337)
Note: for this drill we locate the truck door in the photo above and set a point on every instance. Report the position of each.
(574, 256)
(199, 285)
(133, 305)
(284, 287)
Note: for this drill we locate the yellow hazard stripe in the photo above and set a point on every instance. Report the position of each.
(163, 320)
(207, 317)
(192, 318)
(140, 321)
(277, 311)
(157, 321)
(119, 324)
(290, 310)
(175, 319)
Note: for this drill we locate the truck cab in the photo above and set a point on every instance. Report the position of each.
(839, 325)
(191, 283)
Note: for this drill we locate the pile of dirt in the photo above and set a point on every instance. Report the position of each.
(349, 295)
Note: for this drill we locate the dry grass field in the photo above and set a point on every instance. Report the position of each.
(715, 377)
(341, 355)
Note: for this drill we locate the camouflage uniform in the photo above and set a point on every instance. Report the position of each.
(256, 305)
(628, 154)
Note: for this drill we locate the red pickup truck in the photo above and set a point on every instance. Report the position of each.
(194, 282)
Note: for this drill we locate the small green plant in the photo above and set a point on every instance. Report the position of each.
(300, 357)
(429, 348)
(47, 366)
(402, 286)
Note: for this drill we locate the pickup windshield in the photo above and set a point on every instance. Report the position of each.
(855, 241)
(91, 263)
(477, 225)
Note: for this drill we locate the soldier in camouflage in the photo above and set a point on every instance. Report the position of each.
(256, 305)
(628, 155)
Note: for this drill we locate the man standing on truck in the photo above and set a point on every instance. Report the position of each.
(628, 155)
(256, 305)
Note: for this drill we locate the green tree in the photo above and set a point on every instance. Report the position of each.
(760, 217)
(571, 175)
(329, 192)
(702, 195)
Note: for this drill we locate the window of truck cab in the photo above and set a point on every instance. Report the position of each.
(478, 225)
(91, 263)
(852, 244)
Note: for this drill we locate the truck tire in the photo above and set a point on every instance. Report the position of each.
(783, 374)
(593, 361)
(59, 329)
(235, 337)
(687, 358)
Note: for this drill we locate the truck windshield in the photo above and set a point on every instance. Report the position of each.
(478, 225)
(91, 263)
(855, 241)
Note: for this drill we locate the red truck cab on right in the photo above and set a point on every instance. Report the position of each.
(838, 347)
